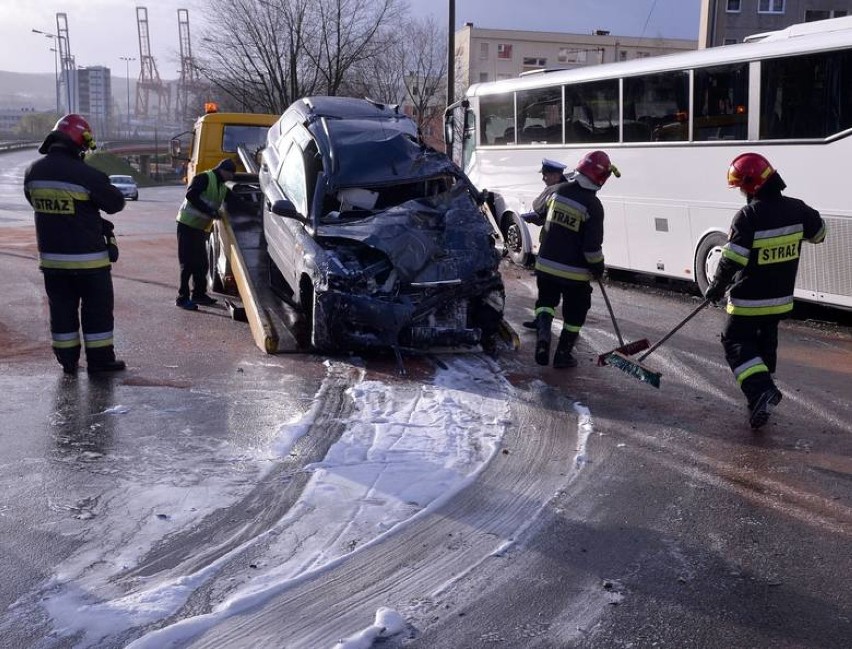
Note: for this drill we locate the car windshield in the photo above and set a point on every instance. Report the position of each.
(121, 179)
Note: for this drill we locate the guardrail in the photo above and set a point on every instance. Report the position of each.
(14, 146)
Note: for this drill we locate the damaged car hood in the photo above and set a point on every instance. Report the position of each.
(424, 240)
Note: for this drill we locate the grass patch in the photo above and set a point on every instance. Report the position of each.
(112, 164)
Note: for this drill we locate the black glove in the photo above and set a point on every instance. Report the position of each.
(716, 291)
(597, 270)
(112, 245)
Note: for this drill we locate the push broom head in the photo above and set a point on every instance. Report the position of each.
(628, 349)
(633, 368)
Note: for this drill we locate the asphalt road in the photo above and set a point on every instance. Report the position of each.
(661, 521)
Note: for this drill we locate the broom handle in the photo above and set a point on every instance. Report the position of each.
(675, 330)
(611, 313)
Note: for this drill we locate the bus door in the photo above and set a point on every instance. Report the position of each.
(459, 127)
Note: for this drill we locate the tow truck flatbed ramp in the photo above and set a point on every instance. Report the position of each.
(274, 323)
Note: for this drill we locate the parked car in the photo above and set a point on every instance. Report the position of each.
(379, 239)
(127, 185)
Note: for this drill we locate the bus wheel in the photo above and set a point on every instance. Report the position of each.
(707, 259)
(512, 227)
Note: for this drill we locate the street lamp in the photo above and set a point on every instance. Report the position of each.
(55, 51)
(127, 60)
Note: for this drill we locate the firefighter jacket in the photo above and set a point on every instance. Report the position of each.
(66, 195)
(204, 197)
(764, 245)
(572, 238)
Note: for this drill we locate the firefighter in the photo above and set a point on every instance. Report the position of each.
(570, 256)
(206, 194)
(67, 196)
(552, 173)
(762, 258)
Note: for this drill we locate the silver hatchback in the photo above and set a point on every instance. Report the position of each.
(128, 187)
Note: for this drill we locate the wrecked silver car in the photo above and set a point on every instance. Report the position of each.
(380, 240)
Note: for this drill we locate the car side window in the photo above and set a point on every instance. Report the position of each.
(291, 179)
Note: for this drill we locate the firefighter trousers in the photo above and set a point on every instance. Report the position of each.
(192, 257)
(77, 298)
(576, 300)
(751, 349)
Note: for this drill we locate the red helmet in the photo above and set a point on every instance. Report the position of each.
(749, 172)
(77, 129)
(596, 167)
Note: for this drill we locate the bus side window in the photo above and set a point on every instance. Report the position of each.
(721, 99)
(806, 96)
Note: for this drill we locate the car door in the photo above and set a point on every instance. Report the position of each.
(286, 237)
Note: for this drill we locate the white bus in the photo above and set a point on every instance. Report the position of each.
(672, 124)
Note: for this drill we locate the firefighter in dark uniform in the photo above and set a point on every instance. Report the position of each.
(67, 196)
(552, 173)
(570, 256)
(206, 193)
(762, 256)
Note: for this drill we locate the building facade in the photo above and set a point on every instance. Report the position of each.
(94, 97)
(725, 22)
(494, 54)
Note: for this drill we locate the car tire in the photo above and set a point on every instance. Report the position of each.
(707, 258)
(214, 282)
(513, 227)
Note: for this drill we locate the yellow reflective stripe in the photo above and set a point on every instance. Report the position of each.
(819, 236)
(572, 328)
(71, 262)
(106, 342)
(546, 309)
(778, 241)
(561, 270)
(734, 256)
(65, 340)
(757, 368)
(595, 256)
(734, 309)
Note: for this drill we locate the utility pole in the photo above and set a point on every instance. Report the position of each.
(127, 60)
(55, 51)
(451, 53)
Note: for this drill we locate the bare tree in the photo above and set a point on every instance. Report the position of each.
(424, 61)
(261, 55)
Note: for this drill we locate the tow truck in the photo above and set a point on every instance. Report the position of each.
(239, 266)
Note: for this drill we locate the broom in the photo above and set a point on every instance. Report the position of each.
(634, 367)
(625, 350)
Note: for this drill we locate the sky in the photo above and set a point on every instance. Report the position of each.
(102, 31)
(406, 449)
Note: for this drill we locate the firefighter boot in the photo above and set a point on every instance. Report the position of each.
(542, 345)
(563, 357)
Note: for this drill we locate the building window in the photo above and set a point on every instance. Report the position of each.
(571, 55)
(812, 15)
(535, 62)
(504, 51)
(770, 6)
(734, 6)
(483, 77)
(622, 55)
(483, 50)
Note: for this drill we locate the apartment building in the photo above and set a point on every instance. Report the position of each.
(725, 22)
(94, 97)
(493, 54)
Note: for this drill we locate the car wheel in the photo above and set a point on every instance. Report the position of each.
(135, 197)
(513, 233)
(707, 259)
(214, 282)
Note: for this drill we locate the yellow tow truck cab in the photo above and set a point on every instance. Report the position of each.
(217, 135)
